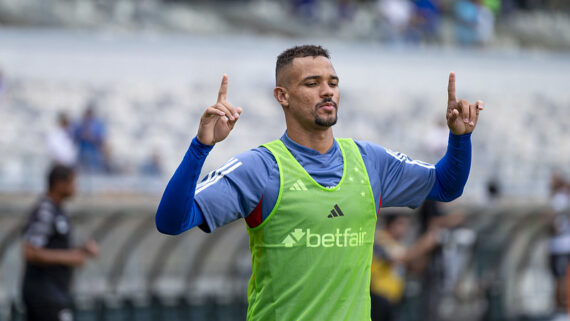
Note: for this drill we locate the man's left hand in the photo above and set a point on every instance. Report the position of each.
(461, 115)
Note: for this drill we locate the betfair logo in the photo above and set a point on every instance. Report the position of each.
(298, 186)
(346, 238)
(293, 238)
(335, 212)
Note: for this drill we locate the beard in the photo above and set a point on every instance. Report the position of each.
(326, 121)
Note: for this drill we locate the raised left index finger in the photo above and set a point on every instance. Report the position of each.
(451, 88)
(223, 89)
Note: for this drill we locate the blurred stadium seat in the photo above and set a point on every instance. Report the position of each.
(530, 127)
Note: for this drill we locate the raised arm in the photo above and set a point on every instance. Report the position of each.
(218, 120)
(178, 211)
(462, 116)
(452, 170)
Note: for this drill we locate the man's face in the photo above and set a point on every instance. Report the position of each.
(313, 93)
(399, 227)
(67, 187)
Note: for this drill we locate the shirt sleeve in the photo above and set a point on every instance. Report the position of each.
(406, 182)
(41, 225)
(402, 180)
(452, 170)
(178, 211)
(233, 190)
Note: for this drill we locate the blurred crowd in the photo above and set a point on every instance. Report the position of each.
(82, 144)
(462, 22)
(400, 259)
(421, 21)
(413, 259)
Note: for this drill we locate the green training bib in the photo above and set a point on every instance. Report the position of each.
(311, 256)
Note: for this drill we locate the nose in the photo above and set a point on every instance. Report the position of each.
(326, 90)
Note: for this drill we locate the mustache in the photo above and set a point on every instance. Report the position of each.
(325, 102)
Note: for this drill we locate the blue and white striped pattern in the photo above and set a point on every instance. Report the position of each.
(217, 174)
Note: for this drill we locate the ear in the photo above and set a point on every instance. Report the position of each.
(281, 95)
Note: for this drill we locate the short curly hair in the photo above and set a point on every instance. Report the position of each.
(287, 56)
(59, 173)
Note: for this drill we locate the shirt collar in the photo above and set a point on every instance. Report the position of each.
(294, 147)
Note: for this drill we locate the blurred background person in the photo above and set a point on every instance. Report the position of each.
(475, 23)
(49, 254)
(60, 144)
(426, 21)
(305, 9)
(559, 246)
(394, 18)
(90, 136)
(559, 192)
(494, 5)
(391, 258)
(346, 10)
(433, 269)
(152, 166)
(493, 193)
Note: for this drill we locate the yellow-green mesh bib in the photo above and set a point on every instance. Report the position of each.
(311, 256)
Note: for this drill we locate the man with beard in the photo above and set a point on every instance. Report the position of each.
(49, 254)
(310, 200)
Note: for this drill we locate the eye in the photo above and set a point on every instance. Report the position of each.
(333, 84)
(311, 84)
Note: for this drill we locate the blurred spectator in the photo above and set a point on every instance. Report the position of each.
(493, 193)
(431, 268)
(390, 259)
(428, 213)
(346, 9)
(426, 21)
(559, 192)
(507, 7)
(90, 137)
(394, 18)
(493, 5)
(61, 147)
(530, 4)
(559, 248)
(475, 23)
(305, 9)
(152, 166)
(560, 241)
(48, 252)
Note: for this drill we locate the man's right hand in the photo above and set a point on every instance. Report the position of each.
(219, 119)
(91, 248)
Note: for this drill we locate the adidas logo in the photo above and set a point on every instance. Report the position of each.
(298, 186)
(336, 211)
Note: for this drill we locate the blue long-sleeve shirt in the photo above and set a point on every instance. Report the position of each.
(249, 182)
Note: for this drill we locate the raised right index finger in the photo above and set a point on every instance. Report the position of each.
(451, 88)
(223, 89)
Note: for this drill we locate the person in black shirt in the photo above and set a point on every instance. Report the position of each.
(48, 253)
